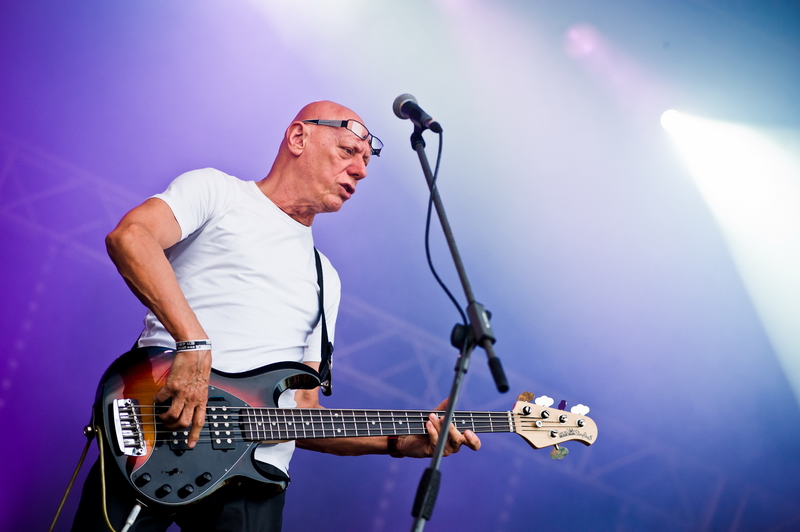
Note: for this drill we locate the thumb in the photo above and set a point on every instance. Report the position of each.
(162, 395)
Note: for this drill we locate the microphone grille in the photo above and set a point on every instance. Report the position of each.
(398, 104)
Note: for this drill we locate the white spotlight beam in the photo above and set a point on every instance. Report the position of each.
(752, 186)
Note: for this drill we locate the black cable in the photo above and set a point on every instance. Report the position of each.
(427, 236)
(74, 476)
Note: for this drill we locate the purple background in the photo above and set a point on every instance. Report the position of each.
(609, 281)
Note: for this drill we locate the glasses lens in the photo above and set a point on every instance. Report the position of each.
(377, 145)
(363, 133)
(358, 128)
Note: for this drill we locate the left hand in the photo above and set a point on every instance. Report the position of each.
(422, 446)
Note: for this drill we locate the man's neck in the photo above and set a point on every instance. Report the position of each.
(271, 187)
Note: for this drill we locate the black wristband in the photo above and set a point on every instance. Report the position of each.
(392, 446)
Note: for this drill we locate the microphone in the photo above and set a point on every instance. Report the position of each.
(406, 108)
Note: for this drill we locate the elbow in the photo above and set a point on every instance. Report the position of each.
(115, 243)
(123, 242)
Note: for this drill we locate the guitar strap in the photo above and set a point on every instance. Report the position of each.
(327, 347)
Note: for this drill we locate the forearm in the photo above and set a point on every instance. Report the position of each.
(347, 446)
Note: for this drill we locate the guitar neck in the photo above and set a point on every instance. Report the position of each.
(276, 424)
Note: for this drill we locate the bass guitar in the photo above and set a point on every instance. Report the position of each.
(242, 413)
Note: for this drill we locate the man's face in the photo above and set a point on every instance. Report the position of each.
(337, 162)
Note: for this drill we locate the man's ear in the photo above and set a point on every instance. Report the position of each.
(296, 138)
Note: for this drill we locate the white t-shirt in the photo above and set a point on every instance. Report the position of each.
(248, 272)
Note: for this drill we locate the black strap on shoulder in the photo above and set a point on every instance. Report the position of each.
(327, 347)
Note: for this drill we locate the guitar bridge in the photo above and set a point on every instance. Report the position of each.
(128, 428)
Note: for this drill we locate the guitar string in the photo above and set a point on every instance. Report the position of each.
(340, 411)
(236, 435)
(339, 416)
(328, 415)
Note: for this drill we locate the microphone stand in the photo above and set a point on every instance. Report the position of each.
(477, 333)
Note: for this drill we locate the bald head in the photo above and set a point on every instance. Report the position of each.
(321, 110)
(326, 110)
(320, 161)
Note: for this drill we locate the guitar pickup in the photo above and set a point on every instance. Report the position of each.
(222, 427)
(129, 438)
(179, 440)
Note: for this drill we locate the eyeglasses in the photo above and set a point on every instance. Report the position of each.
(358, 129)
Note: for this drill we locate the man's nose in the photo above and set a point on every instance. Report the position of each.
(359, 170)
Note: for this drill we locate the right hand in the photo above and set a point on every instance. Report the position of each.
(187, 386)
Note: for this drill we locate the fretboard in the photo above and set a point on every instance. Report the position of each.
(273, 424)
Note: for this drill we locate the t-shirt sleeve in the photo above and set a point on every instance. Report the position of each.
(333, 292)
(197, 196)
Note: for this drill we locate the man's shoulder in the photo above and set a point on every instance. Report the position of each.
(198, 195)
(208, 174)
(205, 182)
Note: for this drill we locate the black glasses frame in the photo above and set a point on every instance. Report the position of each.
(374, 142)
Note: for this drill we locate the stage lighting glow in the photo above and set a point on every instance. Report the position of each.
(581, 40)
(671, 120)
(751, 183)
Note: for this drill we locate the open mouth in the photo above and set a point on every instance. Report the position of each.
(350, 189)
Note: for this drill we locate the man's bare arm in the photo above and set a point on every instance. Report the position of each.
(136, 246)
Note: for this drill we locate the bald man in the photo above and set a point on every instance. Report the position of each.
(217, 259)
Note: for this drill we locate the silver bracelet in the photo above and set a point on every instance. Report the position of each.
(193, 345)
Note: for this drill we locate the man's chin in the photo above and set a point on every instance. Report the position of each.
(334, 206)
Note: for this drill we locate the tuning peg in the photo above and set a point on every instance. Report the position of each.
(558, 452)
(545, 401)
(562, 405)
(525, 396)
(580, 409)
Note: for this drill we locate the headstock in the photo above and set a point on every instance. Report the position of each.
(543, 426)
